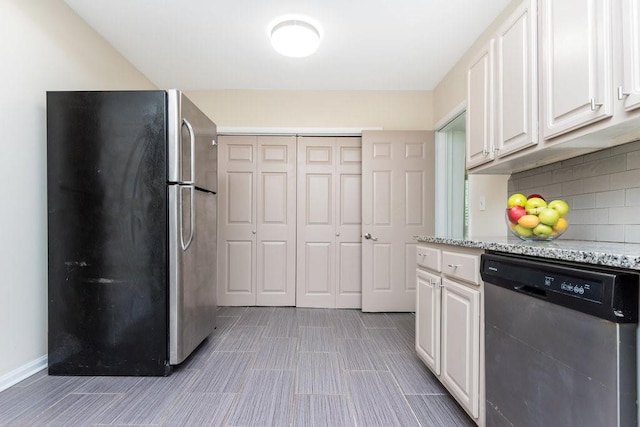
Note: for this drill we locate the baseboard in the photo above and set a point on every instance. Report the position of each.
(22, 372)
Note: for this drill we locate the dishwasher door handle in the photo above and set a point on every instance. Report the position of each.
(531, 290)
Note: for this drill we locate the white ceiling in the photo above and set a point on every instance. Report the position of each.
(224, 44)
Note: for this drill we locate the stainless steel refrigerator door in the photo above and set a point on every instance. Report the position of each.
(192, 150)
(192, 269)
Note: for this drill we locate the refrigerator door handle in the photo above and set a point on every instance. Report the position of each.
(192, 142)
(185, 244)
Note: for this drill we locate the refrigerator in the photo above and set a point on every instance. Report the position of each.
(131, 210)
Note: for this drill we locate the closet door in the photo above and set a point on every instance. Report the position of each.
(256, 247)
(237, 220)
(329, 244)
(276, 221)
(348, 190)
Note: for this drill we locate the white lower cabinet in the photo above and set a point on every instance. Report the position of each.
(460, 351)
(428, 319)
(449, 324)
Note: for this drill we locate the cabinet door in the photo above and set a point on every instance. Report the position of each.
(428, 319)
(630, 91)
(516, 76)
(461, 343)
(576, 64)
(479, 104)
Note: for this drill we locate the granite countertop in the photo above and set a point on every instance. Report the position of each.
(621, 255)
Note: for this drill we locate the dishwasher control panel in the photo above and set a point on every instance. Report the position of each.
(607, 293)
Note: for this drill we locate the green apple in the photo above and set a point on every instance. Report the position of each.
(542, 230)
(534, 203)
(517, 199)
(549, 216)
(522, 231)
(559, 206)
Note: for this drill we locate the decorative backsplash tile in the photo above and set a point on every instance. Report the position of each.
(602, 188)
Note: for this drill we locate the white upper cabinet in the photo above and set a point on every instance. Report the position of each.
(479, 106)
(629, 91)
(576, 64)
(516, 81)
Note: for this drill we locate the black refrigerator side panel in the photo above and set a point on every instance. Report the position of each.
(107, 233)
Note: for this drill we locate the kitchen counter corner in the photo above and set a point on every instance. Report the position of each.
(611, 254)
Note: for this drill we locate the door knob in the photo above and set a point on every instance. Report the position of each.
(368, 236)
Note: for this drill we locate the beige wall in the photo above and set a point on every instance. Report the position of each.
(452, 89)
(43, 46)
(389, 110)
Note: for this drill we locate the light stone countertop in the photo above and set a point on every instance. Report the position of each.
(621, 255)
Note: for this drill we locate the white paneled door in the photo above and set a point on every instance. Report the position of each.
(397, 204)
(329, 222)
(256, 245)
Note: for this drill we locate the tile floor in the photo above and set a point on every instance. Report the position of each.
(263, 366)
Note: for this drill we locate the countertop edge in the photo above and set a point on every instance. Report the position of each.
(618, 255)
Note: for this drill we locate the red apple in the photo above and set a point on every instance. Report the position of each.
(535, 195)
(515, 212)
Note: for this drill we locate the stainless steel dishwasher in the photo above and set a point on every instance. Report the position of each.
(560, 342)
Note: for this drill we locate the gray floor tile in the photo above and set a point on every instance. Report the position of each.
(357, 368)
(242, 338)
(329, 411)
(282, 327)
(149, 399)
(108, 385)
(33, 378)
(230, 311)
(390, 340)
(223, 373)
(224, 324)
(202, 353)
(319, 339)
(313, 317)
(404, 321)
(378, 401)
(360, 355)
(255, 316)
(76, 410)
(345, 314)
(18, 405)
(199, 409)
(277, 353)
(319, 373)
(412, 375)
(350, 328)
(439, 410)
(376, 320)
(265, 400)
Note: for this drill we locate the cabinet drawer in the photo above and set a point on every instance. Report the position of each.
(428, 258)
(461, 266)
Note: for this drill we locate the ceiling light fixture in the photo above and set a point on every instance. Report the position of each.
(295, 38)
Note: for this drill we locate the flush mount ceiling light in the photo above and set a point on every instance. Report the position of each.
(295, 38)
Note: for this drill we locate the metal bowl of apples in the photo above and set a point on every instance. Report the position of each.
(533, 218)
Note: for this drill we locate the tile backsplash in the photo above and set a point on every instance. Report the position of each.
(602, 188)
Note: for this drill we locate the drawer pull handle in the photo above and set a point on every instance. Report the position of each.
(622, 93)
(595, 105)
(453, 265)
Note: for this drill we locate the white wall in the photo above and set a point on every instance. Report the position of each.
(43, 46)
(389, 110)
(452, 89)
